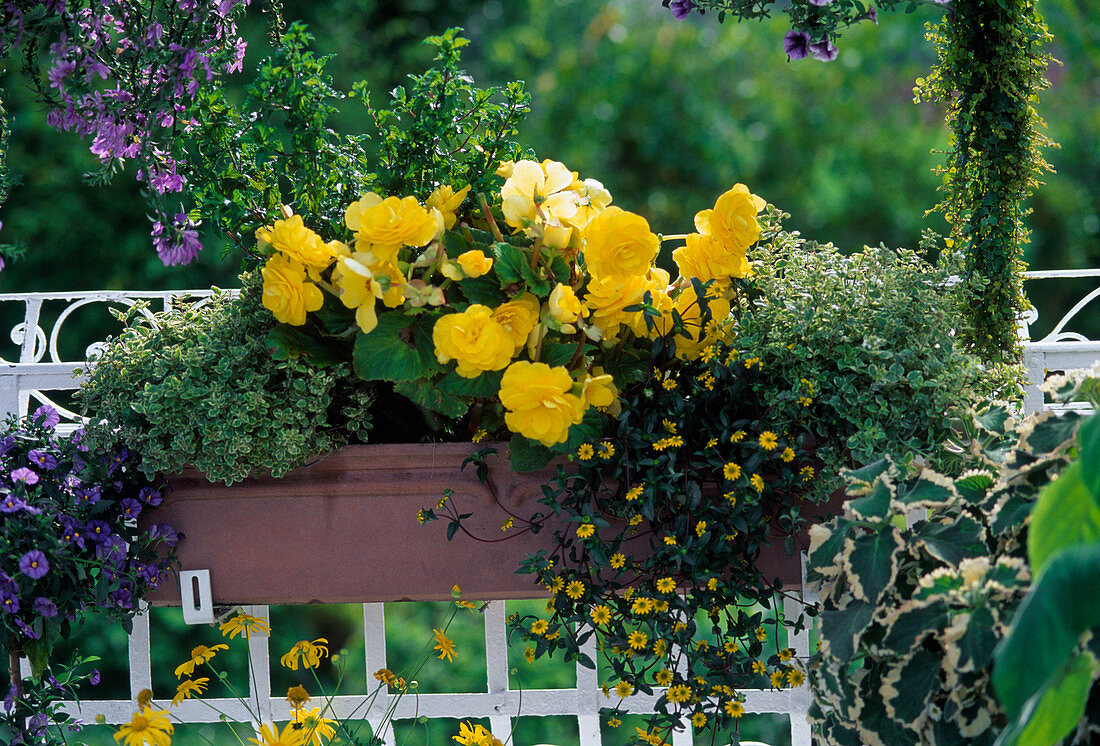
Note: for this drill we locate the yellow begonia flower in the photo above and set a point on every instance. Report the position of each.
(474, 340)
(146, 727)
(537, 193)
(383, 226)
(608, 297)
(358, 289)
(518, 317)
(708, 258)
(291, 735)
(539, 402)
(564, 306)
(447, 201)
(309, 653)
(287, 293)
(297, 241)
(619, 244)
(199, 655)
(599, 391)
(594, 198)
(474, 263)
(688, 307)
(733, 219)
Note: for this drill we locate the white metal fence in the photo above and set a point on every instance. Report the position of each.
(37, 368)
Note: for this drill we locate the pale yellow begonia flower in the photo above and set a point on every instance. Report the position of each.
(287, 292)
(445, 199)
(538, 192)
(474, 263)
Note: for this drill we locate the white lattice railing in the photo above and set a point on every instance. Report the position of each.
(37, 368)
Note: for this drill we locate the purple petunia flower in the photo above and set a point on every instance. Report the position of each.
(130, 507)
(50, 416)
(820, 3)
(165, 533)
(88, 495)
(150, 496)
(796, 44)
(9, 594)
(94, 677)
(6, 444)
(11, 504)
(112, 550)
(34, 564)
(97, 531)
(680, 8)
(122, 597)
(44, 607)
(26, 629)
(76, 439)
(823, 50)
(24, 475)
(42, 459)
(72, 531)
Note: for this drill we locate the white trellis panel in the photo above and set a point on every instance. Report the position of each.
(38, 368)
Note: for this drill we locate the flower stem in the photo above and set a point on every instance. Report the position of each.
(489, 216)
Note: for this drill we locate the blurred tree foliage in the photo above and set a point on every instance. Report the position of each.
(666, 113)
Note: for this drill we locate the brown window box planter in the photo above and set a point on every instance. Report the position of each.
(344, 529)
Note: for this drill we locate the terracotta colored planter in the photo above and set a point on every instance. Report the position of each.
(344, 529)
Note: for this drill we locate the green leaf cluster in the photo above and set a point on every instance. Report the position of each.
(1044, 672)
(988, 76)
(911, 611)
(197, 386)
(861, 348)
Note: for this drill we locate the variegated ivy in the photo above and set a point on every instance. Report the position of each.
(910, 615)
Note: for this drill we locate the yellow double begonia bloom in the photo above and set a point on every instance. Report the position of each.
(599, 391)
(708, 258)
(593, 199)
(519, 318)
(445, 199)
(383, 226)
(474, 340)
(564, 306)
(619, 244)
(733, 219)
(688, 307)
(287, 293)
(538, 193)
(474, 263)
(293, 238)
(539, 402)
(607, 298)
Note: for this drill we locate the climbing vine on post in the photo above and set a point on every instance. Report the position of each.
(989, 73)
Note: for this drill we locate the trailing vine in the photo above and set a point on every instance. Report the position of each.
(989, 73)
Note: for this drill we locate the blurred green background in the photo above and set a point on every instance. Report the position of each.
(667, 114)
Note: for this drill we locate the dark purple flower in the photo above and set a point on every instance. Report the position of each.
(177, 243)
(37, 724)
(130, 507)
(94, 677)
(34, 564)
(44, 607)
(50, 416)
(97, 531)
(11, 504)
(42, 459)
(9, 700)
(820, 3)
(122, 597)
(77, 439)
(6, 444)
(165, 533)
(823, 50)
(112, 551)
(24, 475)
(26, 629)
(9, 594)
(88, 495)
(72, 531)
(796, 44)
(681, 8)
(150, 496)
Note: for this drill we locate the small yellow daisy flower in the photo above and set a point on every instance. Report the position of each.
(734, 709)
(444, 644)
(601, 614)
(638, 640)
(663, 677)
(624, 689)
(539, 627)
(618, 560)
(585, 452)
(575, 589)
(309, 653)
(585, 530)
(666, 585)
